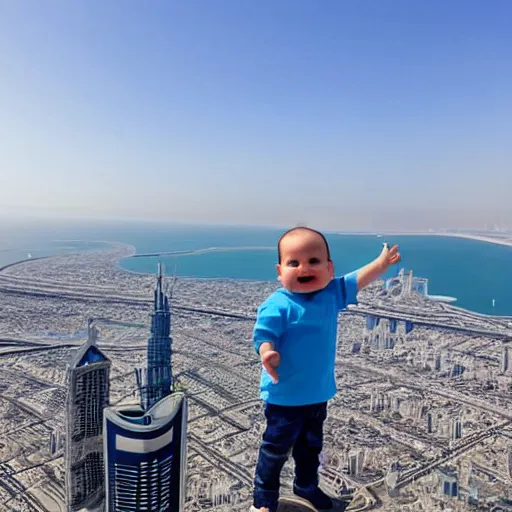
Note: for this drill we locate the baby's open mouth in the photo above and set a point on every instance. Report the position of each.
(305, 279)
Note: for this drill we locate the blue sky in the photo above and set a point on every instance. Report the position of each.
(340, 114)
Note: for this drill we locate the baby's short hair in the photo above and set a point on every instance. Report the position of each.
(301, 228)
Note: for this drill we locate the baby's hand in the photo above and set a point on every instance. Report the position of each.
(270, 361)
(389, 256)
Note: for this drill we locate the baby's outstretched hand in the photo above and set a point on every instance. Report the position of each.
(389, 256)
(270, 361)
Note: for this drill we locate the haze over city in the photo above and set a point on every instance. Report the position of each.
(347, 115)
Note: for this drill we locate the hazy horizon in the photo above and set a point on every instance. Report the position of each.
(32, 218)
(355, 115)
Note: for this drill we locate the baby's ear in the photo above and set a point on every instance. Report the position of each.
(331, 269)
(278, 270)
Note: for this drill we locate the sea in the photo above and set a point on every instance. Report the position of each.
(474, 272)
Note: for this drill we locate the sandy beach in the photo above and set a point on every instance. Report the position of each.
(499, 239)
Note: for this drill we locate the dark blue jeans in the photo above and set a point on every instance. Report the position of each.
(296, 428)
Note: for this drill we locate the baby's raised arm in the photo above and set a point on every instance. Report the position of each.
(378, 266)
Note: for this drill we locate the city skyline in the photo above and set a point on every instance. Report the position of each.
(129, 456)
(422, 421)
(355, 115)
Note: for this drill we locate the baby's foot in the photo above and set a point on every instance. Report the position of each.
(317, 498)
(262, 509)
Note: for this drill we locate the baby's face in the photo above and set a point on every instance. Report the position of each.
(304, 266)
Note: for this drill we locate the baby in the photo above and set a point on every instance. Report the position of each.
(295, 336)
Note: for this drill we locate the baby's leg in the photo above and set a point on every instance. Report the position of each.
(306, 454)
(283, 427)
(306, 451)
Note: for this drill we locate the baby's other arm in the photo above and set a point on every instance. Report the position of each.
(378, 266)
(270, 360)
(267, 332)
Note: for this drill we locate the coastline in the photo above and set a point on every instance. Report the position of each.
(507, 240)
(481, 238)
(120, 251)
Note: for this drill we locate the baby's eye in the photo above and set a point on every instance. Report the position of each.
(314, 261)
(293, 263)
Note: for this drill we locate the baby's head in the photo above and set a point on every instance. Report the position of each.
(304, 260)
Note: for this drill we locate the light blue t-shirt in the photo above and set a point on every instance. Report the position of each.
(303, 329)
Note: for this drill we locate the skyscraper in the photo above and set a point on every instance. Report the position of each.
(145, 446)
(159, 371)
(88, 395)
(449, 482)
(456, 428)
(356, 462)
(145, 456)
(429, 423)
(509, 461)
(504, 358)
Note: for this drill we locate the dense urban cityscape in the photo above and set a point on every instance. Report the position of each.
(421, 421)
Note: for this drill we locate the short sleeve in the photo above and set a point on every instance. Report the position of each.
(269, 325)
(347, 290)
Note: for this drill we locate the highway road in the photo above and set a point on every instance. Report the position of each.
(361, 309)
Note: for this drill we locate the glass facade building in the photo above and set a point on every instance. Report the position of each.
(88, 395)
(145, 456)
(158, 376)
